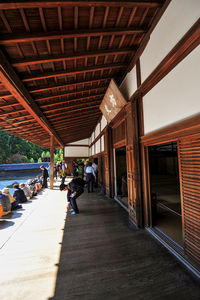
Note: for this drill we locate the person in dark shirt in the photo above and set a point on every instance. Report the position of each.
(75, 189)
(19, 195)
(45, 175)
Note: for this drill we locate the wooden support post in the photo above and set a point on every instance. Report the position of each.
(51, 161)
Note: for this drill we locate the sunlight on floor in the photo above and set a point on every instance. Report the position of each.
(31, 251)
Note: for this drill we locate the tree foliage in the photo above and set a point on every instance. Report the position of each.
(16, 150)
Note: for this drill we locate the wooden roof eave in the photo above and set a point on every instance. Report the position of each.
(97, 3)
(14, 85)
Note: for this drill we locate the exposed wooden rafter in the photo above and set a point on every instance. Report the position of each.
(17, 89)
(60, 59)
(47, 59)
(43, 36)
(67, 85)
(98, 3)
(73, 72)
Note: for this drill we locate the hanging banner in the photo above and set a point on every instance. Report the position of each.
(113, 102)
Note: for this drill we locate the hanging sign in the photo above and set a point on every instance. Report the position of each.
(113, 102)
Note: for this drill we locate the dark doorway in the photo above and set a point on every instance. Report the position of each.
(96, 161)
(165, 191)
(121, 191)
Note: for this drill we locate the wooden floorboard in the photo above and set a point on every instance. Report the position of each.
(104, 257)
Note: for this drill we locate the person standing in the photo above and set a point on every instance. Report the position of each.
(45, 175)
(90, 177)
(75, 168)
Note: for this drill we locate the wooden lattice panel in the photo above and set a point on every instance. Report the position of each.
(190, 185)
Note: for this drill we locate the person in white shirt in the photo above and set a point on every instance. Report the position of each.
(90, 177)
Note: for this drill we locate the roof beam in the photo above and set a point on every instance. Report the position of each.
(47, 59)
(14, 85)
(56, 35)
(75, 105)
(71, 132)
(79, 98)
(66, 85)
(52, 3)
(67, 94)
(74, 125)
(90, 99)
(12, 112)
(74, 120)
(55, 117)
(79, 116)
(63, 73)
(64, 112)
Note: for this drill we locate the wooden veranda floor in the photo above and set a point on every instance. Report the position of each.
(104, 257)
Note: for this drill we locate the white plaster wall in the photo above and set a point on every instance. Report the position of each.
(98, 146)
(81, 142)
(103, 123)
(129, 84)
(176, 97)
(92, 136)
(102, 143)
(97, 130)
(93, 150)
(76, 151)
(176, 21)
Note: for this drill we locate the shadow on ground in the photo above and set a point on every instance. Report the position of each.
(5, 223)
(12, 215)
(103, 257)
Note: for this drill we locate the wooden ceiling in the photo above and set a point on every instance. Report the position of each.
(57, 59)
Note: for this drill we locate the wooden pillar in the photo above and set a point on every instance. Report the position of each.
(111, 162)
(133, 164)
(51, 161)
(108, 154)
(143, 151)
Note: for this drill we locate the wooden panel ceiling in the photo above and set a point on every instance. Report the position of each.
(57, 59)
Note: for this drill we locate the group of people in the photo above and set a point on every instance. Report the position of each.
(21, 195)
(22, 192)
(76, 187)
(59, 170)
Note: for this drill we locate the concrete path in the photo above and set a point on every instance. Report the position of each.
(30, 247)
(93, 255)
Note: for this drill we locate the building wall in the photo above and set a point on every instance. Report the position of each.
(96, 140)
(129, 84)
(176, 96)
(81, 142)
(176, 21)
(77, 149)
(169, 109)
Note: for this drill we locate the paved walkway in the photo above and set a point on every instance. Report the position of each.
(94, 255)
(30, 244)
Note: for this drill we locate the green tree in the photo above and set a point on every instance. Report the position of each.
(11, 145)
